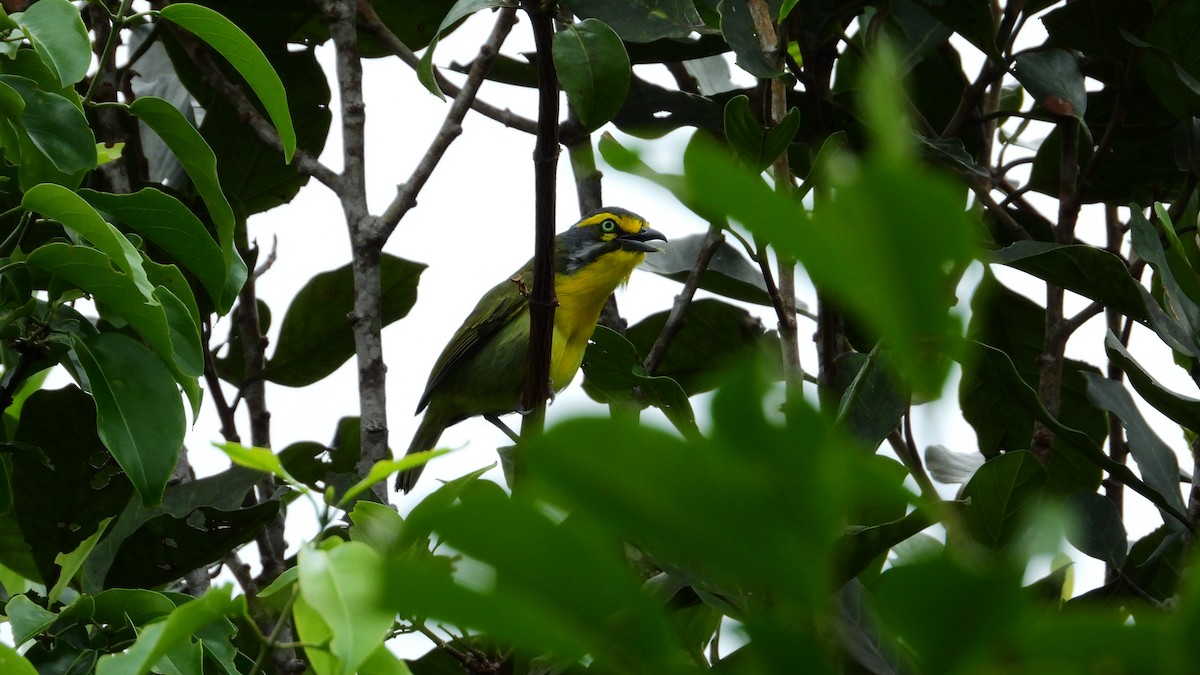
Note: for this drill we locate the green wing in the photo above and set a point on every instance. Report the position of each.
(500, 306)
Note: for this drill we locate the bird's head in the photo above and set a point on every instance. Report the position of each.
(607, 231)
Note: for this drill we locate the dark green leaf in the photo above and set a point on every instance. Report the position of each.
(1098, 531)
(740, 32)
(1090, 271)
(1156, 460)
(1054, 80)
(729, 273)
(715, 335)
(139, 414)
(1182, 410)
(1172, 52)
(642, 20)
(613, 372)
(316, 336)
(873, 405)
(1181, 286)
(1002, 492)
(158, 639)
(56, 126)
(971, 19)
(229, 41)
(757, 146)
(593, 70)
(59, 38)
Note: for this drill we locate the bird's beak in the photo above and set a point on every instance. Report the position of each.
(637, 241)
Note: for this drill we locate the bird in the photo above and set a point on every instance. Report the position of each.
(481, 372)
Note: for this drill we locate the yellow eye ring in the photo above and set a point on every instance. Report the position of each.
(608, 226)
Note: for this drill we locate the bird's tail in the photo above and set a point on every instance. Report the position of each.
(428, 433)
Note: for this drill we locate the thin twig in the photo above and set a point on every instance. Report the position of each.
(406, 195)
(678, 316)
(369, 23)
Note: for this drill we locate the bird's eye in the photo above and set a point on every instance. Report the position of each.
(608, 226)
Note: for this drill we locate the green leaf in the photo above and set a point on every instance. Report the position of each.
(71, 562)
(729, 273)
(1156, 460)
(1087, 270)
(873, 405)
(1053, 78)
(715, 335)
(317, 337)
(1100, 532)
(642, 20)
(1002, 492)
(13, 663)
(165, 221)
(259, 459)
(757, 146)
(63, 205)
(1183, 410)
(386, 467)
(461, 10)
(157, 639)
(593, 70)
(342, 585)
(59, 38)
(27, 619)
(139, 414)
(56, 127)
(971, 19)
(229, 41)
(200, 163)
(740, 32)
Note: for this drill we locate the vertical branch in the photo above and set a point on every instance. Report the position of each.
(774, 44)
(545, 160)
(1118, 448)
(366, 242)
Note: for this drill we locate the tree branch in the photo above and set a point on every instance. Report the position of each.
(678, 316)
(406, 196)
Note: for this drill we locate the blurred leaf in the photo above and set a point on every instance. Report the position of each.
(317, 337)
(593, 70)
(861, 546)
(342, 586)
(178, 629)
(729, 273)
(15, 664)
(56, 126)
(1001, 492)
(860, 635)
(642, 20)
(756, 146)
(229, 41)
(714, 335)
(614, 374)
(139, 414)
(1053, 78)
(165, 221)
(59, 38)
(1156, 460)
(951, 468)
(1087, 270)
(1100, 533)
(737, 26)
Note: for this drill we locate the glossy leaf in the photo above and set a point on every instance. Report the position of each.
(756, 146)
(1099, 531)
(1156, 461)
(229, 41)
(59, 38)
(342, 586)
(1053, 78)
(139, 414)
(201, 165)
(1092, 272)
(1002, 492)
(158, 639)
(316, 336)
(56, 127)
(165, 221)
(592, 69)
(642, 20)
(729, 273)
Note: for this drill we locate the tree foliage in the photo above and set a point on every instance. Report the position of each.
(903, 156)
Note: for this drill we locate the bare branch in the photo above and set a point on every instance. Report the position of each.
(677, 318)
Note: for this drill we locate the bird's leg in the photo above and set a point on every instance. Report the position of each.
(512, 435)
